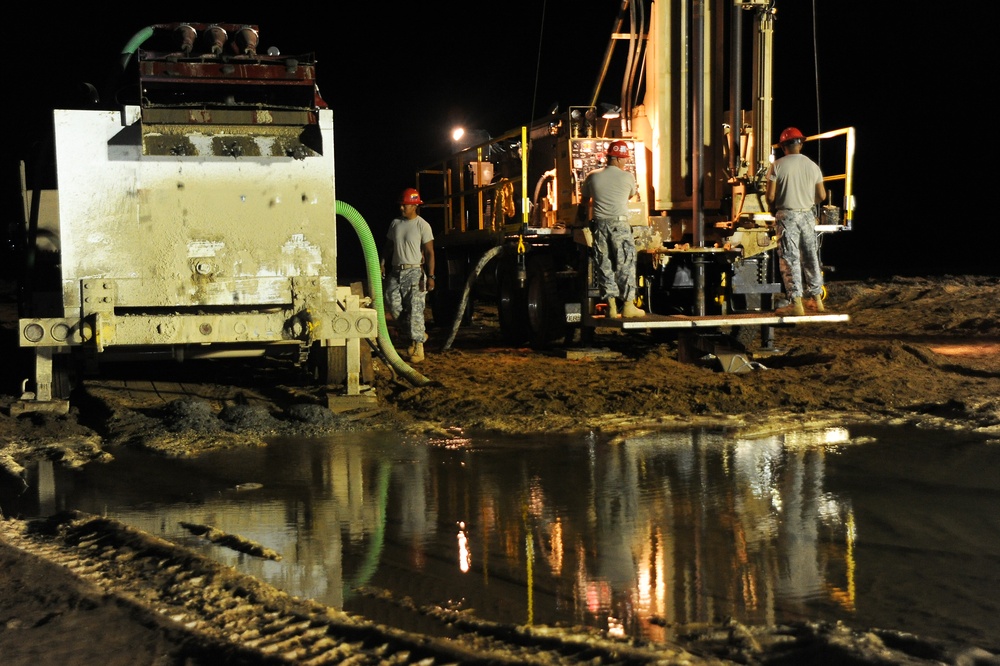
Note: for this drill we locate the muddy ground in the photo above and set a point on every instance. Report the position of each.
(923, 350)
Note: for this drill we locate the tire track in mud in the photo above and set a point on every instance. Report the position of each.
(227, 612)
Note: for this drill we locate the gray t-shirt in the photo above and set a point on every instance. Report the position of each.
(611, 189)
(407, 238)
(795, 177)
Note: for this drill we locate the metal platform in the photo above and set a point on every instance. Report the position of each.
(653, 321)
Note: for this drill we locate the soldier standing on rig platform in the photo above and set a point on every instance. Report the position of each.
(610, 189)
(794, 187)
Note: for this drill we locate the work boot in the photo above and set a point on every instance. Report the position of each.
(612, 308)
(418, 352)
(630, 310)
(814, 304)
(409, 350)
(794, 308)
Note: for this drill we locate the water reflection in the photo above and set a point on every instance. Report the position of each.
(694, 527)
(876, 527)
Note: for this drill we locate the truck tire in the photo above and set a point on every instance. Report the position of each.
(546, 310)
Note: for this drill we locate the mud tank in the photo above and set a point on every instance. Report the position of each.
(194, 218)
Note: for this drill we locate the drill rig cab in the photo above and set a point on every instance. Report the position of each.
(194, 218)
(706, 248)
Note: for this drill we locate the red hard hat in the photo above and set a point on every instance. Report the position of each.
(618, 149)
(790, 134)
(410, 196)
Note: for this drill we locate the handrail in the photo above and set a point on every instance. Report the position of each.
(848, 176)
(452, 192)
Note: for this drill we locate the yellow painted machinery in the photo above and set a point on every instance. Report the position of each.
(700, 150)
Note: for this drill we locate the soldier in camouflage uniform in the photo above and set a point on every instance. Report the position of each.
(409, 250)
(794, 187)
(609, 190)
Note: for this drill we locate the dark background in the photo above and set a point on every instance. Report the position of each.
(399, 77)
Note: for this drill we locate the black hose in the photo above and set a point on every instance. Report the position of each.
(485, 259)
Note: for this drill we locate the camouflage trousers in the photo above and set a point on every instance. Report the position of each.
(798, 253)
(405, 299)
(614, 255)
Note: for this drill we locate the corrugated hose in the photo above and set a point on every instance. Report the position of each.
(375, 282)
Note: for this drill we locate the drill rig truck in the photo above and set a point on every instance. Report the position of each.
(188, 214)
(506, 207)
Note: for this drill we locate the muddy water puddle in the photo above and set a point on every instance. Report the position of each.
(876, 526)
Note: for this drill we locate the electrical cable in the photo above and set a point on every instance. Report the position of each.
(538, 62)
(819, 125)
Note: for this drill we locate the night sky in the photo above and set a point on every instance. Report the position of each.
(398, 78)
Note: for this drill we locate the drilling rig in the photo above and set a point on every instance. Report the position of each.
(696, 113)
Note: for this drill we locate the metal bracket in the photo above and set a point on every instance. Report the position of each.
(694, 346)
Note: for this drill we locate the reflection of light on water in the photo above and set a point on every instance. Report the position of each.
(454, 440)
(845, 596)
(781, 529)
(556, 548)
(615, 627)
(536, 497)
(749, 582)
(813, 438)
(455, 443)
(652, 577)
(758, 462)
(852, 535)
(464, 556)
(644, 584)
(550, 530)
(529, 560)
(828, 508)
(598, 595)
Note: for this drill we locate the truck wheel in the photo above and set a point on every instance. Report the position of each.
(545, 309)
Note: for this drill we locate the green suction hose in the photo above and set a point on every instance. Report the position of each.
(133, 45)
(375, 280)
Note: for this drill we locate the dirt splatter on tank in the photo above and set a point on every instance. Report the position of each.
(196, 217)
